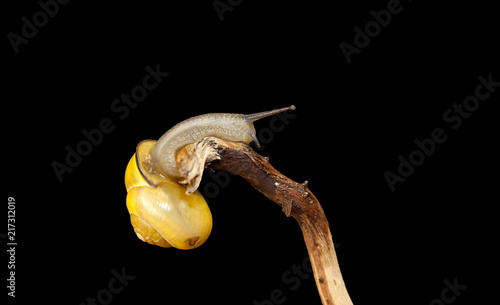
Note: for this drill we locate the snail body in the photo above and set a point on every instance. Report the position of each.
(161, 212)
(227, 126)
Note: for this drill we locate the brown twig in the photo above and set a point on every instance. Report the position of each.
(295, 199)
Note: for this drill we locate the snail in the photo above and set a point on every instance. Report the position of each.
(161, 212)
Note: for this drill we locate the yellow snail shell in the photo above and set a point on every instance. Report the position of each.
(160, 211)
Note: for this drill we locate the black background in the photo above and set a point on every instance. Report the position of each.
(352, 122)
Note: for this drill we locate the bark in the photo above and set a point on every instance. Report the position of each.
(295, 199)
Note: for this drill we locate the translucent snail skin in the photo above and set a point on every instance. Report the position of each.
(227, 126)
(160, 211)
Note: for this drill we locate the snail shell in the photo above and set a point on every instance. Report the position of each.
(160, 211)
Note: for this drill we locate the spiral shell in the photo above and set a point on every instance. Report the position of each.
(160, 211)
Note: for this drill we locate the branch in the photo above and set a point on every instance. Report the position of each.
(295, 199)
